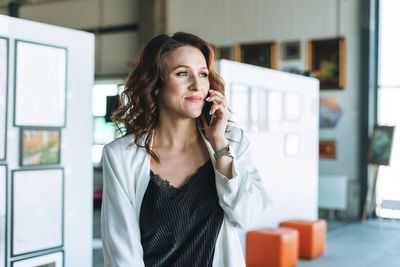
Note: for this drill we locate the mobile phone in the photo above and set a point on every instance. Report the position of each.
(206, 111)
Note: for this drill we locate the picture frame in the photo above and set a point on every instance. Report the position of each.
(381, 143)
(330, 112)
(55, 259)
(326, 61)
(291, 50)
(3, 213)
(37, 210)
(4, 65)
(261, 54)
(40, 146)
(226, 52)
(40, 73)
(327, 149)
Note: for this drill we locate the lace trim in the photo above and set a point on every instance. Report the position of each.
(166, 186)
(161, 183)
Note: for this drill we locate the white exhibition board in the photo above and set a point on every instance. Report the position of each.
(286, 150)
(67, 55)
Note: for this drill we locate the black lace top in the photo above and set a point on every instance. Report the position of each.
(179, 226)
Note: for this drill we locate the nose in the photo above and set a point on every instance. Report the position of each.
(195, 84)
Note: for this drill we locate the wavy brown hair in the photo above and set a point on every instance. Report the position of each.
(138, 112)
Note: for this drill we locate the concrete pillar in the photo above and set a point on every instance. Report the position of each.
(152, 19)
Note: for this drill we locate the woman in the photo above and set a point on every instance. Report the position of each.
(175, 189)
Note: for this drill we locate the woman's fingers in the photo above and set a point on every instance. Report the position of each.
(217, 98)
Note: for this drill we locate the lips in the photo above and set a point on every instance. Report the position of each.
(194, 99)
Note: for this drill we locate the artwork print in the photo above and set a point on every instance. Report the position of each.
(330, 112)
(40, 147)
(3, 95)
(37, 210)
(3, 201)
(381, 145)
(326, 61)
(48, 260)
(259, 54)
(40, 85)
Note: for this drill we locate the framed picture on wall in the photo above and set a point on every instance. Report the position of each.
(326, 61)
(40, 146)
(226, 52)
(3, 213)
(3, 95)
(40, 85)
(381, 145)
(259, 54)
(290, 50)
(37, 210)
(327, 149)
(48, 260)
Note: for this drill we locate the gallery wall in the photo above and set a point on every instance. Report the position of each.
(229, 22)
(49, 174)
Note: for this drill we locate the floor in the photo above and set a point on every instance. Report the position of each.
(369, 244)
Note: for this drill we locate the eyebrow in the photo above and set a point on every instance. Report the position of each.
(185, 66)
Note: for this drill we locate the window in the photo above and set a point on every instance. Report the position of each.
(104, 132)
(388, 186)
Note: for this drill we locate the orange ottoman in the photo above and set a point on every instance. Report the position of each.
(312, 236)
(272, 247)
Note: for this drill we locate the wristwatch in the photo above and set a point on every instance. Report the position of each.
(226, 151)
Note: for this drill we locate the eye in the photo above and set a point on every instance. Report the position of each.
(204, 74)
(182, 73)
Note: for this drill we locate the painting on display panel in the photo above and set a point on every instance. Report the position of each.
(3, 208)
(40, 146)
(48, 260)
(37, 208)
(40, 85)
(3, 95)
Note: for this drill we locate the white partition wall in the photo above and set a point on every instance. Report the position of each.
(48, 173)
(280, 113)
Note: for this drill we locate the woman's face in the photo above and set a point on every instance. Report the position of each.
(186, 83)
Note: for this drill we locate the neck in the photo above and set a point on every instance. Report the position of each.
(177, 134)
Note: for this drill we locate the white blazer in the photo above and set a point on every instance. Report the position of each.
(126, 174)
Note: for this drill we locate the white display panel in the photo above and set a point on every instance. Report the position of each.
(48, 260)
(3, 95)
(37, 210)
(3, 198)
(40, 73)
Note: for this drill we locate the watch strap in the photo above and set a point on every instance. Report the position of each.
(226, 151)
